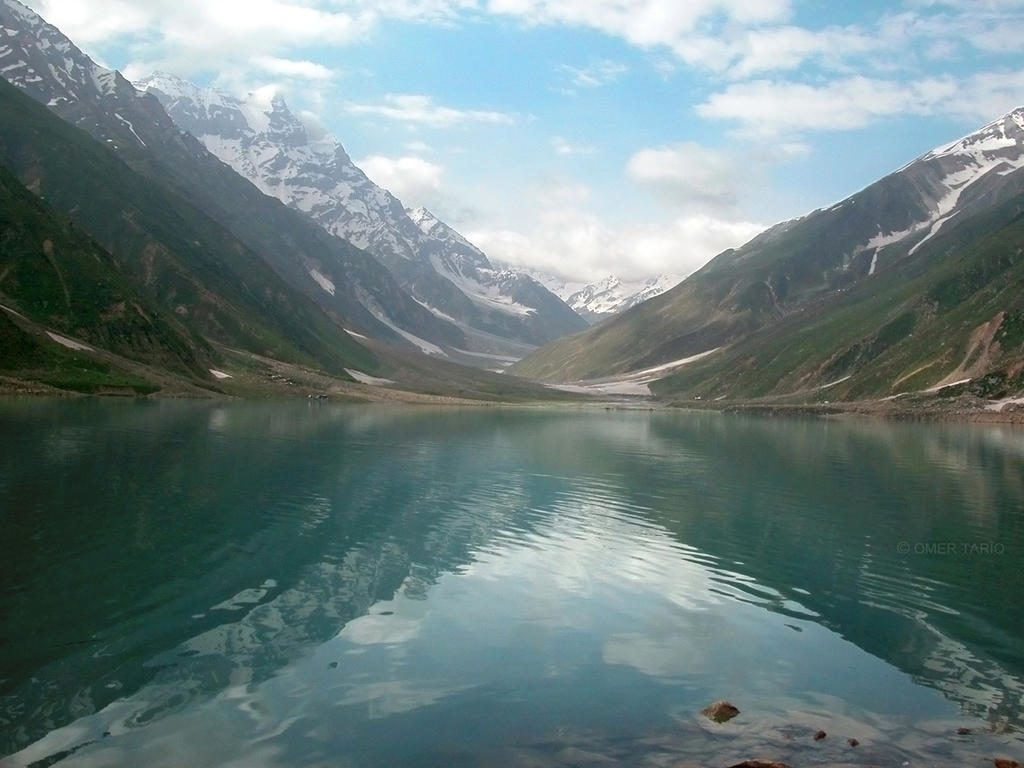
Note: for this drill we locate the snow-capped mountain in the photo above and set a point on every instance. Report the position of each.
(266, 143)
(600, 300)
(511, 293)
(344, 280)
(612, 295)
(949, 181)
(918, 236)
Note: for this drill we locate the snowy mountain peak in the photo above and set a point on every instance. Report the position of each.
(456, 245)
(28, 48)
(207, 111)
(423, 217)
(170, 84)
(26, 14)
(606, 297)
(266, 143)
(945, 180)
(613, 295)
(1002, 136)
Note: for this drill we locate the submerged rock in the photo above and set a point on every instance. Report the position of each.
(819, 735)
(720, 711)
(759, 764)
(852, 742)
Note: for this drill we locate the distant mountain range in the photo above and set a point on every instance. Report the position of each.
(600, 300)
(268, 145)
(177, 238)
(219, 268)
(914, 283)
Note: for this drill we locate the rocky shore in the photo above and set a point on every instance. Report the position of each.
(723, 736)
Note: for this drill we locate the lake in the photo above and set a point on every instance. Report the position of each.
(306, 584)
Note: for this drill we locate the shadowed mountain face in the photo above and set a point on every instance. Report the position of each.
(166, 252)
(55, 274)
(166, 276)
(900, 237)
(344, 280)
(268, 145)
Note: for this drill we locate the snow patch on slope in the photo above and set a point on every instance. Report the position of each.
(323, 281)
(424, 346)
(996, 148)
(64, 341)
(635, 384)
(265, 142)
(365, 378)
(488, 295)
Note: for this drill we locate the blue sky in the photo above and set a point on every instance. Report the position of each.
(595, 136)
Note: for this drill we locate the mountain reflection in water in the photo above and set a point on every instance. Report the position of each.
(296, 584)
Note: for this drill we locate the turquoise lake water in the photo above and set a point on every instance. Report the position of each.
(296, 584)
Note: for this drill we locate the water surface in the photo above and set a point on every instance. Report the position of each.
(306, 584)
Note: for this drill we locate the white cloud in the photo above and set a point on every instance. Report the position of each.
(413, 180)
(688, 174)
(314, 125)
(787, 48)
(306, 70)
(987, 27)
(736, 36)
(189, 36)
(742, 37)
(579, 246)
(771, 107)
(988, 95)
(563, 147)
(234, 38)
(418, 108)
(571, 241)
(644, 23)
(594, 74)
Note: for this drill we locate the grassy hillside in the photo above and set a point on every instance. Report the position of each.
(197, 270)
(952, 314)
(811, 301)
(54, 276)
(53, 273)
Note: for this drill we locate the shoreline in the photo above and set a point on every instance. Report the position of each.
(952, 410)
(955, 411)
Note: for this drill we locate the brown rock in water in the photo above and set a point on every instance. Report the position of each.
(758, 764)
(819, 735)
(720, 711)
(963, 731)
(1005, 762)
(852, 742)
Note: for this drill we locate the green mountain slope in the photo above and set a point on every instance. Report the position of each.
(361, 293)
(171, 282)
(197, 270)
(54, 274)
(954, 314)
(880, 248)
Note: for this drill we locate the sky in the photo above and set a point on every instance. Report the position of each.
(596, 137)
